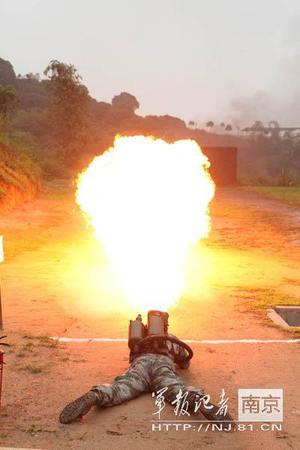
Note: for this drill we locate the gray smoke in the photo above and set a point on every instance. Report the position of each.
(281, 99)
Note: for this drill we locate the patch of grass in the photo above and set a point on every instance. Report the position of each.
(10, 349)
(273, 325)
(25, 349)
(275, 299)
(292, 281)
(45, 341)
(264, 298)
(295, 331)
(290, 195)
(28, 336)
(28, 347)
(34, 370)
(82, 437)
(32, 429)
(260, 299)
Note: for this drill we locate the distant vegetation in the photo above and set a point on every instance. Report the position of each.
(19, 177)
(51, 125)
(289, 195)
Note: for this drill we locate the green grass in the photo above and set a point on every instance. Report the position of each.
(29, 336)
(32, 369)
(32, 429)
(294, 331)
(40, 341)
(45, 341)
(264, 298)
(35, 370)
(289, 195)
(260, 299)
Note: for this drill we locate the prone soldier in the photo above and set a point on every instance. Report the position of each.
(153, 355)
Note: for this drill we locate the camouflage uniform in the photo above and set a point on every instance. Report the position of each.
(148, 372)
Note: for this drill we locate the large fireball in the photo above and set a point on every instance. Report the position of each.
(147, 201)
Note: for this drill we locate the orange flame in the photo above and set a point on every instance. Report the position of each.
(147, 201)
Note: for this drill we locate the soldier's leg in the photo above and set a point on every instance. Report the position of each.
(125, 387)
(164, 376)
(190, 399)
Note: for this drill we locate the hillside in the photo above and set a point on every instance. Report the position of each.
(64, 133)
(19, 177)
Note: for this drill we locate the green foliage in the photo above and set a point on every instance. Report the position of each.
(125, 102)
(7, 73)
(22, 141)
(285, 178)
(24, 156)
(19, 176)
(69, 100)
(59, 127)
(258, 125)
(34, 122)
(289, 195)
(8, 101)
(32, 92)
(53, 165)
(269, 161)
(34, 370)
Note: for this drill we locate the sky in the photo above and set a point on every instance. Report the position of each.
(233, 60)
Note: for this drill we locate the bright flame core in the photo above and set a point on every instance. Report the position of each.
(148, 203)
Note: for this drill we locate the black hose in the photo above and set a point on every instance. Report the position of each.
(165, 337)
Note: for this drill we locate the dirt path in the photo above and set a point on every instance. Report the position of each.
(51, 278)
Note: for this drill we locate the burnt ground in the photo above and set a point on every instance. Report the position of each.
(51, 286)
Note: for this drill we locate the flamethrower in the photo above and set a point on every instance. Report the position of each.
(154, 338)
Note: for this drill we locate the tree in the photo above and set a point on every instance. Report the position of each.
(8, 101)
(228, 127)
(275, 129)
(210, 124)
(274, 124)
(33, 76)
(258, 125)
(125, 102)
(222, 125)
(7, 73)
(192, 124)
(68, 104)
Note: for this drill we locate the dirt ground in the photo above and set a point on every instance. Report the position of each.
(51, 287)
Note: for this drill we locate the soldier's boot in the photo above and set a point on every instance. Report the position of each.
(79, 407)
(212, 413)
